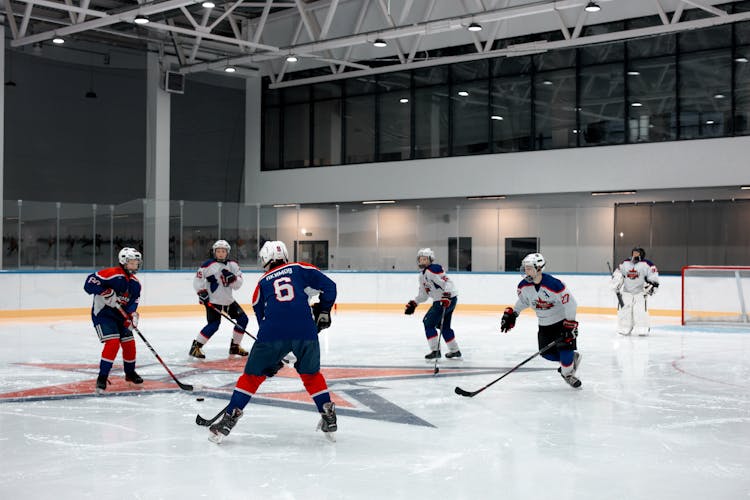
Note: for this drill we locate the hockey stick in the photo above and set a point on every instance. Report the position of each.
(206, 422)
(620, 302)
(184, 387)
(462, 392)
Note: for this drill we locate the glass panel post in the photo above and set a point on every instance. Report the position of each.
(93, 235)
(58, 205)
(20, 223)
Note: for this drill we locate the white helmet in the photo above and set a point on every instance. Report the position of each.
(273, 251)
(535, 260)
(221, 244)
(425, 252)
(127, 254)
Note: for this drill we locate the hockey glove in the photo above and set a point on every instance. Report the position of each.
(227, 277)
(203, 297)
(110, 298)
(509, 320)
(649, 288)
(131, 321)
(410, 307)
(569, 331)
(445, 301)
(322, 318)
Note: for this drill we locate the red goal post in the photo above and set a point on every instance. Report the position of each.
(715, 295)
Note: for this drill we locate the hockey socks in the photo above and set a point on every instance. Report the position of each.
(244, 390)
(109, 353)
(128, 356)
(317, 389)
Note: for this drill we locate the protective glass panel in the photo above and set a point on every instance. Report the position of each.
(360, 129)
(76, 234)
(358, 243)
(39, 235)
(394, 132)
(104, 255)
(200, 229)
(297, 135)
(271, 139)
(742, 91)
(705, 94)
(511, 114)
(481, 253)
(11, 237)
(471, 124)
(651, 100)
(327, 133)
(397, 237)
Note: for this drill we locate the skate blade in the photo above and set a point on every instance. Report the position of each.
(215, 438)
(99, 392)
(330, 436)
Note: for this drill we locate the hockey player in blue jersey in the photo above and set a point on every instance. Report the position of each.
(286, 324)
(435, 284)
(555, 309)
(116, 293)
(214, 282)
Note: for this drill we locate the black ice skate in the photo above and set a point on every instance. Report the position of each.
(453, 355)
(571, 378)
(223, 427)
(432, 355)
(133, 378)
(101, 384)
(237, 350)
(195, 350)
(327, 422)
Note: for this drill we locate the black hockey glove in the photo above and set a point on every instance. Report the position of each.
(569, 332)
(649, 288)
(273, 370)
(410, 307)
(227, 277)
(203, 297)
(322, 318)
(509, 320)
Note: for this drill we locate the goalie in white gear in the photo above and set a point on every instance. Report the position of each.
(214, 283)
(635, 280)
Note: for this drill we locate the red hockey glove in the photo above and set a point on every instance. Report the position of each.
(569, 331)
(110, 298)
(410, 307)
(509, 320)
(445, 301)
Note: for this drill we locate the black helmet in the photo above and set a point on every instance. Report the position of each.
(641, 253)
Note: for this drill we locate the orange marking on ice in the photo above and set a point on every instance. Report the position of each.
(87, 387)
(304, 397)
(63, 366)
(235, 364)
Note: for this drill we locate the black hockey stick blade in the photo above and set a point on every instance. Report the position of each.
(462, 392)
(206, 422)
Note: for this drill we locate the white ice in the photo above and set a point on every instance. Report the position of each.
(661, 417)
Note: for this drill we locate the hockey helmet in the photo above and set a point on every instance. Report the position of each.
(126, 255)
(535, 260)
(641, 254)
(426, 252)
(221, 244)
(273, 251)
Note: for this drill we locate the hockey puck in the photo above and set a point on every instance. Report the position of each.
(199, 399)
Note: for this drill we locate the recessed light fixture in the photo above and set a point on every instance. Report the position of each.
(592, 7)
(379, 202)
(575, 130)
(710, 122)
(463, 93)
(141, 19)
(719, 95)
(285, 205)
(740, 59)
(546, 82)
(496, 117)
(745, 188)
(230, 69)
(490, 197)
(379, 42)
(58, 40)
(611, 193)
(474, 27)
(403, 100)
(208, 5)
(291, 58)
(633, 73)
(636, 104)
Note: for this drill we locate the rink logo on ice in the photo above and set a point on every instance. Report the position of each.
(355, 389)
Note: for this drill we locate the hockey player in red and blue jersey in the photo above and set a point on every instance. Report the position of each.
(116, 293)
(555, 310)
(435, 284)
(286, 324)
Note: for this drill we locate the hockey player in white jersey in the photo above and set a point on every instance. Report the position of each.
(555, 310)
(214, 283)
(435, 284)
(635, 280)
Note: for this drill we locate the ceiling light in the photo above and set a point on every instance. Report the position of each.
(58, 41)
(719, 95)
(710, 122)
(496, 117)
(230, 69)
(492, 197)
(474, 27)
(208, 5)
(636, 104)
(378, 202)
(740, 59)
(379, 42)
(547, 82)
(140, 19)
(285, 205)
(463, 93)
(592, 7)
(610, 193)
(291, 58)
(403, 100)
(634, 73)
(744, 188)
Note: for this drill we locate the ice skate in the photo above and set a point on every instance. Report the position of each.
(327, 422)
(196, 351)
(455, 355)
(571, 378)
(223, 427)
(237, 350)
(432, 355)
(133, 378)
(101, 384)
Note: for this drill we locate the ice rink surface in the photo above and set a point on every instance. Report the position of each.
(662, 417)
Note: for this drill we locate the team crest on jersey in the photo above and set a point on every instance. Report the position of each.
(356, 390)
(542, 304)
(632, 274)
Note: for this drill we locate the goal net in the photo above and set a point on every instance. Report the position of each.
(715, 295)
